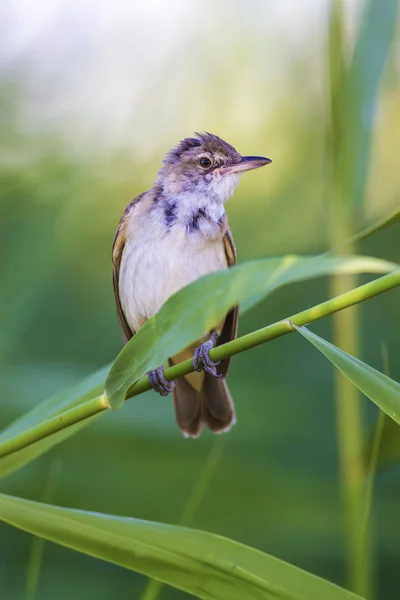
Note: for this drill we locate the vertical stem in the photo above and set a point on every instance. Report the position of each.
(37, 549)
(350, 444)
(349, 413)
(370, 477)
(154, 587)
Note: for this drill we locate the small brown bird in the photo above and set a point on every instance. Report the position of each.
(168, 237)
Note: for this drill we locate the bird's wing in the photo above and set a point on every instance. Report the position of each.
(229, 330)
(117, 250)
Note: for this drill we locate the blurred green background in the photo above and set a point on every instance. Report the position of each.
(92, 95)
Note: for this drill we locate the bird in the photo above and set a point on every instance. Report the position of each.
(168, 237)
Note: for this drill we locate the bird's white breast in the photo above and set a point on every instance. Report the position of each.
(155, 264)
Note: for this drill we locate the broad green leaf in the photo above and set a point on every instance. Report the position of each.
(200, 306)
(154, 586)
(379, 388)
(203, 564)
(193, 309)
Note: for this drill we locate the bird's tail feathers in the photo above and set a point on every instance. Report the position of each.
(211, 406)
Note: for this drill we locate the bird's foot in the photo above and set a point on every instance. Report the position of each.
(201, 357)
(158, 382)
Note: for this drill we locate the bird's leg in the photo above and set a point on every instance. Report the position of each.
(158, 382)
(201, 357)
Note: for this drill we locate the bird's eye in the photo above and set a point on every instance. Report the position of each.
(205, 162)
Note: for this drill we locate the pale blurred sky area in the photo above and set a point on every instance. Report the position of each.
(128, 73)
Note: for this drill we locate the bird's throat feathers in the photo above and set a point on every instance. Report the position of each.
(200, 216)
(196, 203)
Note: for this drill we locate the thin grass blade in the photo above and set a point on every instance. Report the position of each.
(382, 390)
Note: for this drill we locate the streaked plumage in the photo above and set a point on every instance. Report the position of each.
(170, 236)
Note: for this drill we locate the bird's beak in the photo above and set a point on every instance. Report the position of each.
(247, 163)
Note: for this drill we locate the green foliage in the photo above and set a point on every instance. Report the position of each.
(372, 49)
(379, 388)
(183, 318)
(61, 198)
(200, 563)
(180, 560)
(390, 219)
(201, 306)
(355, 85)
(354, 93)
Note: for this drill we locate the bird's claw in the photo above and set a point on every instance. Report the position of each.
(158, 382)
(203, 362)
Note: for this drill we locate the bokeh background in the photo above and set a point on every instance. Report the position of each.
(92, 94)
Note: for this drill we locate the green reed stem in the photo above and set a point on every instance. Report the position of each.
(50, 426)
(370, 475)
(359, 294)
(100, 403)
(350, 439)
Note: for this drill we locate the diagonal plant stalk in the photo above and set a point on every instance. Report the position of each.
(266, 334)
(154, 587)
(100, 403)
(37, 549)
(385, 221)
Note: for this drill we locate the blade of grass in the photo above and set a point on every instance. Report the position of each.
(38, 543)
(382, 390)
(389, 219)
(371, 473)
(203, 482)
(385, 392)
(153, 588)
(374, 41)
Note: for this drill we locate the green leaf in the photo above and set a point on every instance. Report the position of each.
(382, 223)
(379, 388)
(355, 94)
(374, 41)
(153, 588)
(203, 564)
(199, 307)
(90, 387)
(177, 324)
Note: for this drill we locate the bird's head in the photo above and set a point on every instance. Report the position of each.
(205, 165)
